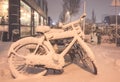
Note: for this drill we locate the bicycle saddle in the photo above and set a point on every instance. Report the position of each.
(42, 29)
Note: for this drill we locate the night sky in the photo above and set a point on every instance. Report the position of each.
(101, 8)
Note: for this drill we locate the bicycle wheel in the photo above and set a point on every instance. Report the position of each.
(17, 53)
(83, 58)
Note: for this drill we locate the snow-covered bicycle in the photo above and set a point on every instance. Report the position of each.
(33, 56)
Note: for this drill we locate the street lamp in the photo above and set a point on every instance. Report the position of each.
(67, 16)
(84, 11)
(116, 3)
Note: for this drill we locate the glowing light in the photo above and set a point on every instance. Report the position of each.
(119, 14)
(53, 23)
(4, 8)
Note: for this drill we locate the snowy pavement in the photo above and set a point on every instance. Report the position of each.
(107, 60)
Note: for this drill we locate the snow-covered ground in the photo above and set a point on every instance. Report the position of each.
(107, 60)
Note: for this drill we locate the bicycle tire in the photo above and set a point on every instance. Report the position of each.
(88, 64)
(17, 64)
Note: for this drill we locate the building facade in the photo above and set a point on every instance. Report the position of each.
(20, 17)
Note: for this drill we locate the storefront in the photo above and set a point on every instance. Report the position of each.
(3, 12)
(20, 17)
(25, 19)
(3, 18)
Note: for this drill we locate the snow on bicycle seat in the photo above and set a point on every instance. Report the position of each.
(42, 29)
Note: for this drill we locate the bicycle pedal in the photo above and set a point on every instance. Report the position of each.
(56, 71)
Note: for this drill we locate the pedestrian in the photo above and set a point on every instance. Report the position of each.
(98, 34)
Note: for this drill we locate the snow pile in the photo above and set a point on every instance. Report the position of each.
(4, 69)
(118, 63)
(5, 74)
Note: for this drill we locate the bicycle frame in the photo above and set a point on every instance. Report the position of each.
(76, 34)
(61, 35)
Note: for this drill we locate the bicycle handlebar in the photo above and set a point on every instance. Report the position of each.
(74, 22)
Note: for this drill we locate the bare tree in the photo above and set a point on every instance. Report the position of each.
(71, 6)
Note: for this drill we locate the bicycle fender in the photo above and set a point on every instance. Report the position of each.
(23, 41)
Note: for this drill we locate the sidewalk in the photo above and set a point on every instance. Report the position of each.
(4, 47)
(4, 67)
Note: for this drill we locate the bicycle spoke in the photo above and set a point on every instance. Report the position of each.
(36, 49)
(15, 53)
